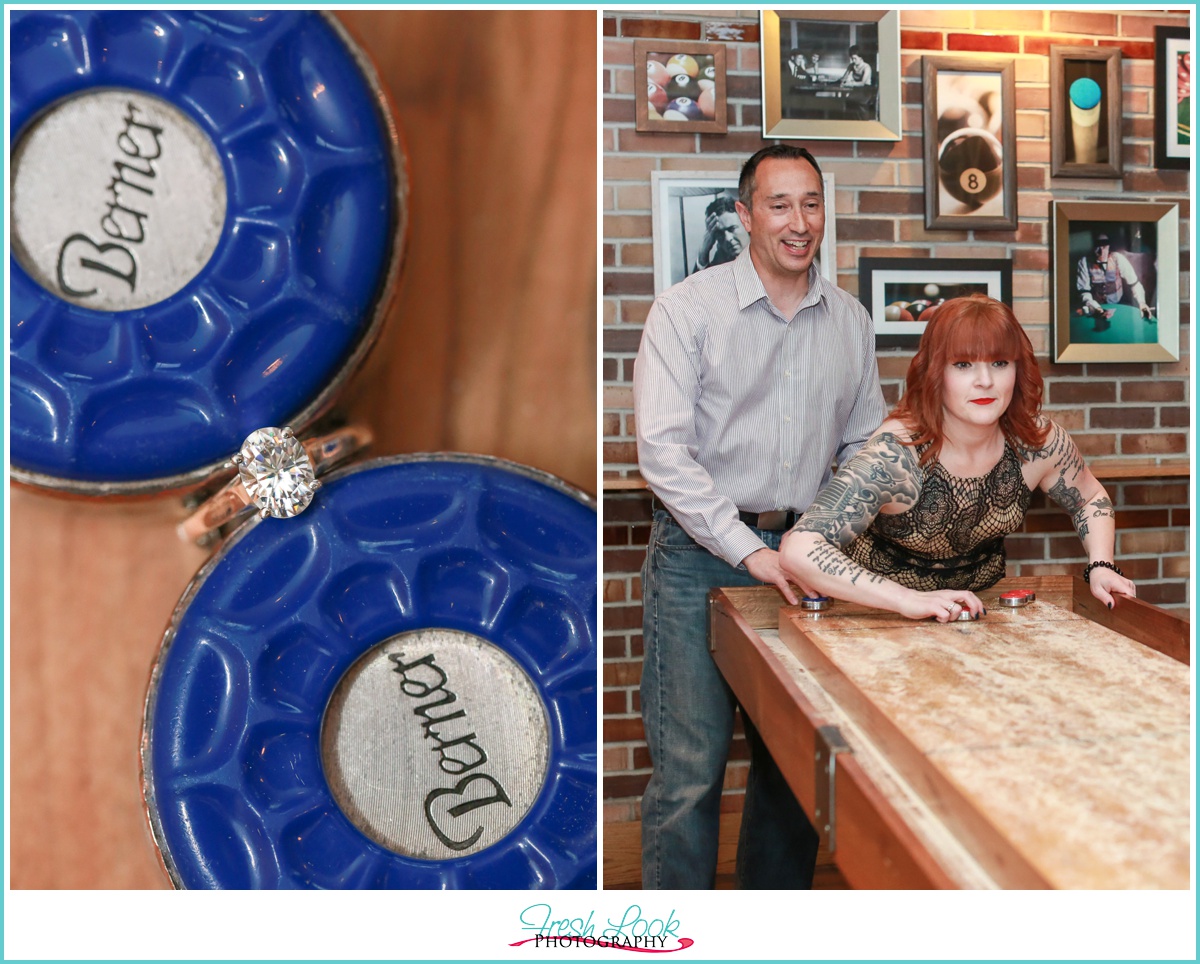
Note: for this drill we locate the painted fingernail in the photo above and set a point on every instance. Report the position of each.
(1110, 605)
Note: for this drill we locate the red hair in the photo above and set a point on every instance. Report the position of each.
(974, 328)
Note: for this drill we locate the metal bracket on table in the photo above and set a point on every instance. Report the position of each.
(830, 743)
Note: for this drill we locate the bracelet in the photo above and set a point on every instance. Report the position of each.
(1100, 564)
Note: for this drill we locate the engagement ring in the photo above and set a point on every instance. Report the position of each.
(277, 474)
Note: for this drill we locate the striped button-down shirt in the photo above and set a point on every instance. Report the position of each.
(739, 407)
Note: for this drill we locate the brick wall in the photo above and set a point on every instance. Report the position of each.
(1118, 413)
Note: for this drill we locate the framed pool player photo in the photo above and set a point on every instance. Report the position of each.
(696, 225)
(970, 143)
(1085, 111)
(1172, 98)
(831, 74)
(903, 294)
(1116, 281)
(680, 86)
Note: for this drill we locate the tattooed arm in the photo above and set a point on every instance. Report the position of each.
(885, 472)
(1062, 474)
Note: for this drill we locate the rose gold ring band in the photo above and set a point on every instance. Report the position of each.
(324, 452)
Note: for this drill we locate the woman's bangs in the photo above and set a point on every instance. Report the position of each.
(980, 336)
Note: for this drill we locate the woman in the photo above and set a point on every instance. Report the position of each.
(915, 522)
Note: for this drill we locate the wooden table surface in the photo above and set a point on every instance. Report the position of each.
(1042, 746)
(490, 348)
(1059, 747)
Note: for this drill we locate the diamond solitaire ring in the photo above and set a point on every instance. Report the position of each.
(277, 474)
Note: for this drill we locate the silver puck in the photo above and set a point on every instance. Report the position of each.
(118, 199)
(815, 603)
(1015, 599)
(964, 616)
(435, 744)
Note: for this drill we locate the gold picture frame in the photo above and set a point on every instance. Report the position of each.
(1143, 250)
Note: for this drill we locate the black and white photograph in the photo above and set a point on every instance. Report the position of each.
(1116, 281)
(830, 75)
(696, 225)
(1085, 111)
(902, 295)
(970, 143)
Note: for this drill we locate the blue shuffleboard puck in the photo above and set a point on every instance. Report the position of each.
(396, 689)
(207, 217)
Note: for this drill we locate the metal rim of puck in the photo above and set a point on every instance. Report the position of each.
(232, 777)
(132, 463)
(815, 603)
(1016, 598)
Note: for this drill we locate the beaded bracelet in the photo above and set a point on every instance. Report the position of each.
(1099, 564)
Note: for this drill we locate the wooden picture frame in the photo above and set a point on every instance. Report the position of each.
(1172, 113)
(970, 143)
(680, 210)
(699, 81)
(1085, 111)
(1109, 326)
(828, 99)
(884, 282)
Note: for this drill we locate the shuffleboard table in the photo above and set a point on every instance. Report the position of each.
(1044, 746)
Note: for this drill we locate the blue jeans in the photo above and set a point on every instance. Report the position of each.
(688, 711)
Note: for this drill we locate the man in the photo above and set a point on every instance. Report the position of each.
(752, 377)
(723, 238)
(797, 66)
(1102, 279)
(859, 73)
(860, 103)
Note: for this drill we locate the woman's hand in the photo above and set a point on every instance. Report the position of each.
(1104, 582)
(945, 605)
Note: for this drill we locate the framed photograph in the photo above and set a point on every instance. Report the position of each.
(1116, 281)
(696, 225)
(1172, 97)
(831, 74)
(1085, 111)
(903, 294)
(970, 143)
(682, 87)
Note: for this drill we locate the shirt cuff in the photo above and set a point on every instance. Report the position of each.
(741, 544)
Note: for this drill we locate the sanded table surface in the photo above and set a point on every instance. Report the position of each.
(1058, 746)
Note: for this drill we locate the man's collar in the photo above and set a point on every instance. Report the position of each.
(750, 287)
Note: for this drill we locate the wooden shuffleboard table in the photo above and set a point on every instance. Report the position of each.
(1045, 746)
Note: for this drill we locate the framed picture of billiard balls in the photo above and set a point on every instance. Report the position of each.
(696, 225)
(970, 143)
(831, 74)
(1172, 98)
(679, 85)
(1116, 281)
(1085, 111)
(903, 294)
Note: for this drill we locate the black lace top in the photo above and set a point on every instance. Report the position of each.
(953, 538)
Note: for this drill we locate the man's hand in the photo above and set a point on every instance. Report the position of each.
(708, 244)
(1146, 310)
(763, 565)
